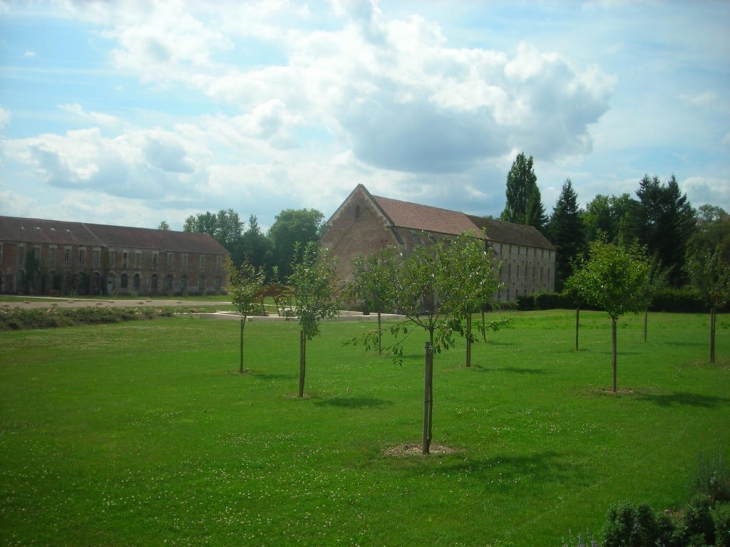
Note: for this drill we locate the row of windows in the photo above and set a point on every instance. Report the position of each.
(534, 273)
(499, 247)
(127, 259)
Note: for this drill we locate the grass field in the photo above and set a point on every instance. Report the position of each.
(144, 434)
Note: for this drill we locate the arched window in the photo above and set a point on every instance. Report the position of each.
(124, 283)
(137, 281)
(153, 282)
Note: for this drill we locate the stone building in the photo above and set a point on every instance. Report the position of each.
(365, 223)
(54, 257)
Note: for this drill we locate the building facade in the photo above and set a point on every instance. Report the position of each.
(364, 224)
(49, 257)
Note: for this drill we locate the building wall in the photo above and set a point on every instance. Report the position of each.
(357, 229)
(524, 270)
(98, 270)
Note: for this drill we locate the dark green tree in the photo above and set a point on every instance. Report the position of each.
(712, 232)
(566, 233)
(524, 204)
(615, 219)
(614, 278)
(226, 227)
(164, 226)
(255, 246)
(292, 230)
(314, 299)
(667, 222)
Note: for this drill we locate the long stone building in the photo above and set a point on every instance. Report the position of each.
(53, 257)
(365, 223)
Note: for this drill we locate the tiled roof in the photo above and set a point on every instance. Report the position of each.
(31, 230)
(514, 234)
(422, 217)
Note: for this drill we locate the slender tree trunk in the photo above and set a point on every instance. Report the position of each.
(646, 322)
(380, 336)
(243, 324)
(713, 323)
(468, 340)
(577, 326)
(613, 351)
(302, 361)
(484, 330)
(427, 400)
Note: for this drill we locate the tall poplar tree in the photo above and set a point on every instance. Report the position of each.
(524, 203)
(566, 233)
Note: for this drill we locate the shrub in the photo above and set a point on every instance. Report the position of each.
(713, 477)
(697, 526)
(721, 516)
(629, 526)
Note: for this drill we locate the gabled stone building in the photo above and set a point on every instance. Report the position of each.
(54, 257)
(364, 224)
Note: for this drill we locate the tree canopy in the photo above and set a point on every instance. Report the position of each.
(524, 204)
(566, 232)
(292, 230)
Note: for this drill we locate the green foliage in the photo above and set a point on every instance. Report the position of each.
(313, 288)
(226, 227)
(629, 526)
(370, 287)
(566, 233)
(244, 284)
(712, 479)
(37, 318)
(524, 204)
(292, 231)
(615, 219)
(710, 275)
(613, 279)
(667, 223)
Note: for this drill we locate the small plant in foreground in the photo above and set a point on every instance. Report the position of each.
(713, 476)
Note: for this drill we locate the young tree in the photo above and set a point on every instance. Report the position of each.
(709, 272)
(566, 233)
(371, 285)
(244, 285)
(524, 205)
(163, 226)
(431, 288)
(613, 279)
(313, 291)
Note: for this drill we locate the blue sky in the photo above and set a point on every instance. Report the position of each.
(131, 113)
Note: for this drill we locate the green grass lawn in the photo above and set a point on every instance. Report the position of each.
(143, 433)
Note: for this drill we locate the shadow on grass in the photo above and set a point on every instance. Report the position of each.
(270, 377)
(501, 472)
(514, 370)
(684, 398)
(354, 402)
(685, 344)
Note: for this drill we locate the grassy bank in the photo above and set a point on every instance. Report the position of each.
(144, 434)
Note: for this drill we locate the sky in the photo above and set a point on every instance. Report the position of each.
(131, 113)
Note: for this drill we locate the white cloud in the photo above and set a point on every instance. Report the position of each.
(4, 117)
(29, 54)
(96, 117)
(708, 98)
(703, 190)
